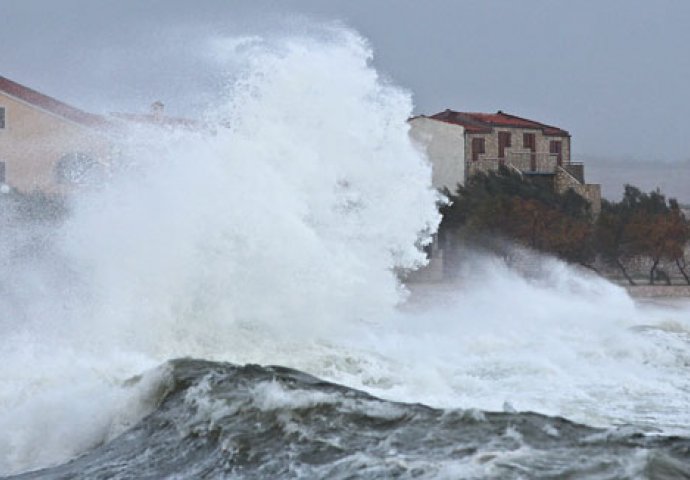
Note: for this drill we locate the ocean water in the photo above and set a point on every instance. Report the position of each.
(227, 305)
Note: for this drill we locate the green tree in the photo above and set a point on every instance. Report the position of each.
(642, 225)
(506, 204)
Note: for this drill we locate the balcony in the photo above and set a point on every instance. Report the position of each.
(526, 162)
(533, 162)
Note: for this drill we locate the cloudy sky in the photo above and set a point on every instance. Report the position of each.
(615, 73)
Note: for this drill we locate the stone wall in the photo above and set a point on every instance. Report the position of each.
(591, 192)
(524, 161)
(484, 165)
(516, 150)
(658, 291)
(638, 269)
(577, 170)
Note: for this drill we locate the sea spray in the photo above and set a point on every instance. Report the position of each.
(280, 222)
(307, 195)
(272, 236)
(560, 341)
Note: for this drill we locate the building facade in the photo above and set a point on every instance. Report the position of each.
(47, 145)
(460, 144)
(51, 147)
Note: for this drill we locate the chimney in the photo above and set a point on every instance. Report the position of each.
(157, 108)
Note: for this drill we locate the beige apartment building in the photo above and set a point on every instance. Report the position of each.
(47, 145)
(50, 147)
(460, 144)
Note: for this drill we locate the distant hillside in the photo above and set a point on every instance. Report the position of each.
(672, 178)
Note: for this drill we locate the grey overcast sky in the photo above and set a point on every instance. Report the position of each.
(615, 73)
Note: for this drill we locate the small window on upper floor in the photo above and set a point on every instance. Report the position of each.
(503, 143)
(556, 148)
(2, 117)
(529, 141)
(477, 148)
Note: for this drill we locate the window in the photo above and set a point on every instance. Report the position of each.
(556, 148)
(503, 142)
(477, 148)
(2, 117)
(529, 141)
(2, 172)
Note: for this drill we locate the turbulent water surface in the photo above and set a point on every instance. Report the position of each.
(275, 236)
(222, 420)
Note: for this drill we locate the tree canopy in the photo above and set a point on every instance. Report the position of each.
(526, 209)
(642, 225)
(505, 204)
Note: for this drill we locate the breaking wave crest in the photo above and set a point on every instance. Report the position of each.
(285, 217)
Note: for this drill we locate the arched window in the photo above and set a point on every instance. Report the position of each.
(78, 169)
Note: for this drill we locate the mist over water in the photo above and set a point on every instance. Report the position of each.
(558, 341)
(282, 226)
(274, 238)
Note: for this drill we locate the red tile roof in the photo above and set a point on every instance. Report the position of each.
(485, 122)
(50, 104)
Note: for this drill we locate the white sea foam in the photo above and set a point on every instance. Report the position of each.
(274, 240)
(273, 396)
(281, 226)
(563, 343)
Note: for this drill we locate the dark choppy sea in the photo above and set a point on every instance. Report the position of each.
(219, 420)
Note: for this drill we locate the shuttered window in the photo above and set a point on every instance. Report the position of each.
(477, 148)
(528, 141)
(556, 148)
(503, 142)
(2, 117)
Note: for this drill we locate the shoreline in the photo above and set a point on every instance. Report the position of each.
(680, 293)
(658, 291)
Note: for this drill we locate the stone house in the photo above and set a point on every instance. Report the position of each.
(459, 144)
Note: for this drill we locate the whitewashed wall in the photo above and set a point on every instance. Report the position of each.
(444, 145)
